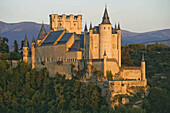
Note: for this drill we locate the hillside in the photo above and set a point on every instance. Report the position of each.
(17, 31)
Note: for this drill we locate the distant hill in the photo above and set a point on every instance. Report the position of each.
(165, 42)
(153, 36)
(17, 31)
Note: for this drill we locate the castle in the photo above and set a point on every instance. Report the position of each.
(100, 47)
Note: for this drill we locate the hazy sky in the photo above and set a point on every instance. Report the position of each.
(133, 15)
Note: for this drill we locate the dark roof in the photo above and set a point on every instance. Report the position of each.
(52, 37)
(42, 33)
(91, 26)
(118, 26)
(75, 46)
(65, 38)
(105, 17)
(82, 40)
(85, 28)
(26, 43)
(96, 30)
(33, 40)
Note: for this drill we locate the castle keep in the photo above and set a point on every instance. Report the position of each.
(99, 48)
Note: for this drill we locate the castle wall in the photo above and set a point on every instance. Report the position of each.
(95, 46)
(53, 68)
(51, 53)
(131, 73)
(112, 65)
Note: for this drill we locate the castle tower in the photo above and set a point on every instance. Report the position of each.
(85, 42)
(143, 75)
(119, 44)
(33, 52)
(90, 41)
(105, 39)
(26, 50)
(105, 60)
(41, 34)
(72, 23)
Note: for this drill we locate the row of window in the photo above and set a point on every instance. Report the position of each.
(54, 60)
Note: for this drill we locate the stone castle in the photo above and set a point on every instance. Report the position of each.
(99, 48)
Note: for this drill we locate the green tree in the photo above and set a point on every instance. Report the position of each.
(16, 46)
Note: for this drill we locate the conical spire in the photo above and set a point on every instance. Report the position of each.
(85, 28)
(33, 40)
(105, 17)
(143, 60)
(26, 43)
(42, 32)
(115, 27)
(91, 26)
(118, 26)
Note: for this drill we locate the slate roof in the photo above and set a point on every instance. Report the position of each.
(52, 37)
(105, 17)
(82, 40)
(65, 38)
(42, 33)
(26, 43)
(75, 46)
(96, 30)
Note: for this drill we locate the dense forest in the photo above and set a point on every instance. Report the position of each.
(23, 89)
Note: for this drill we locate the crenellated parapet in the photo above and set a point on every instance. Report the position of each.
(73, 23)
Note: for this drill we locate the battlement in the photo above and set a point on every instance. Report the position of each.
(73, 23)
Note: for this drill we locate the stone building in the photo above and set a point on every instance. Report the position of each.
(98, 47)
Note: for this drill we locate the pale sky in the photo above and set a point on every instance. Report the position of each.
(133, 15)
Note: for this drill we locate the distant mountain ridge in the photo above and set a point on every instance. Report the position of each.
(17, 31)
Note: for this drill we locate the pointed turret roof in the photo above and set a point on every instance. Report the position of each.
(33, 40)
(143, 60)
(91, 26)
(118, 26)
(42, 32)
(85, 28)
(105, 17)
(26, 43)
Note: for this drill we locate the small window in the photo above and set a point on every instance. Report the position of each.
(104, 27)
(108, 27)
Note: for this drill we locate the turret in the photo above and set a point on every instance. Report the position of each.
(90, 41)
(85, 42)
(105, 38)
(119, 44)
(26, 50)
(33, 52)
(143, 77)
(105, 60)
(41, 34)
(91, 28)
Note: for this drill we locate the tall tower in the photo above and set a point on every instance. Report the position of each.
(26, 50)
(119, 44)
(143, 77)
(73, 23)
(41, 34)
(85, 42)
(90, 42)
(33, 52)
(105, 39)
